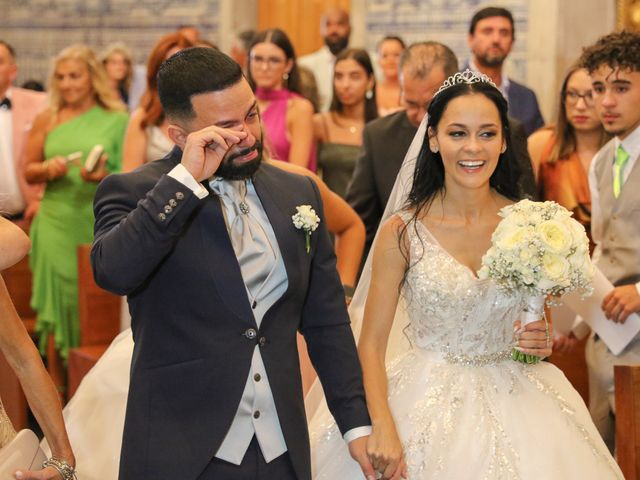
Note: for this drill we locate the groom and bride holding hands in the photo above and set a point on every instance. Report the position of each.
(224, 258)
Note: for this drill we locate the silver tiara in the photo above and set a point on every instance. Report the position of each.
(468, 76)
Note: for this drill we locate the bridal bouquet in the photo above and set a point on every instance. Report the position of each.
(539, 250)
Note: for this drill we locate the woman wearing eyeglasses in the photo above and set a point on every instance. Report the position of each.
(561, 153)
(286, 114)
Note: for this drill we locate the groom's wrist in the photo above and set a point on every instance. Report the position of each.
(356, 433)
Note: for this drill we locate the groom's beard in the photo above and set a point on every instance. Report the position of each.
(231, 171)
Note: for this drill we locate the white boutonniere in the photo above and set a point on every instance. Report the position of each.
(307, 220)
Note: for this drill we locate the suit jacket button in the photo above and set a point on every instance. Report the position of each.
(173, 203)
(162, 216)
(167, 209)
(250, 333)
(179, 195)
(262, 342)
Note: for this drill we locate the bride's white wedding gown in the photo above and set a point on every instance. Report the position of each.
(462, 407)
(464, 410)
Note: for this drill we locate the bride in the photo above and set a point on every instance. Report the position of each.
(450, 403)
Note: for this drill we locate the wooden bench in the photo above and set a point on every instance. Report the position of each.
(99, 322)
(627, 387)
(18, 280)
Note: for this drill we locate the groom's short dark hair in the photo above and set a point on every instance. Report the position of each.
(190, 72)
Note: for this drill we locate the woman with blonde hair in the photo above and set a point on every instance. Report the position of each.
(146, 139)
(118, 64)
(83, 116)
(25, 361)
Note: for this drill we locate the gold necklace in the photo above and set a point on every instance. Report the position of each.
(351, 128)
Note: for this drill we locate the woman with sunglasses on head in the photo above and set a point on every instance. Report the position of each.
(286, 114)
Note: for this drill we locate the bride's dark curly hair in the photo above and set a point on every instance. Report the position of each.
(428, 177)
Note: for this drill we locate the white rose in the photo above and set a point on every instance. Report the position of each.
(555, 236)
(512, 238)
(556, 267)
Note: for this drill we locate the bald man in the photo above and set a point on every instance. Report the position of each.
(335, 29)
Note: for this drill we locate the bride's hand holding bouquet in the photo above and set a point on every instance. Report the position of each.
(540, 251)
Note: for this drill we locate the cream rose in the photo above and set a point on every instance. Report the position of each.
(555, 236)
(555, 267)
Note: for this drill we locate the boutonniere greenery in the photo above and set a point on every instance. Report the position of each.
(306, 219)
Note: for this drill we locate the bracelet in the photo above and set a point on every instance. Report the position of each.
(66, 471)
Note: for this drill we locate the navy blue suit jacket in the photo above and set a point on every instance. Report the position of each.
(190, 312)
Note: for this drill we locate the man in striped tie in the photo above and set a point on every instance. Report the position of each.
(614, 178)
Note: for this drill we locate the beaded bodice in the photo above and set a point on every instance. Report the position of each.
(451, 311)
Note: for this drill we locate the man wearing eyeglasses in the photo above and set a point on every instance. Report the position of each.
(614, 177)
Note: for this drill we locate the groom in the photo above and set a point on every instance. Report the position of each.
(219, 280)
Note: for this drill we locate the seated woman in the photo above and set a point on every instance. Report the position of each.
(339, 131)
(146, 139)
(286, 114)
(23, 357)
(390, 49)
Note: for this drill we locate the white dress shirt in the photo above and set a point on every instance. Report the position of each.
(321, 63)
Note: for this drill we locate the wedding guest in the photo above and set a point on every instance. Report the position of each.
(82, 113)
(562, 153)
(390, 50)
(339, 131)
(147, 138)
(286, 114)
(18, 108)
(117, 62)
(613, 63)
(491, 37)
(23, 357)
(335, 29)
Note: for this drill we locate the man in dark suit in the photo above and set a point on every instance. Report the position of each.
(491, 36)
(424, 66)
(219, 279)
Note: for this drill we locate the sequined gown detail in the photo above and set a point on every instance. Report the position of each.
(463, 409)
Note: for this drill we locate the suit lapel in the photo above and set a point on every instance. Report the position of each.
(222, 260)
(279, 210)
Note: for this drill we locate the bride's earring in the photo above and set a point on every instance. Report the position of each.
(433, 148)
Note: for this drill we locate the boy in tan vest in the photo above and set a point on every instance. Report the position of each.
(614, 178)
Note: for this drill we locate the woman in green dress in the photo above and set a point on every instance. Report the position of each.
(83, 112)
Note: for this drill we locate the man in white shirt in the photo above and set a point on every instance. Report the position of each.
(335, 30)
(224, 277)
(18, 107)
(614, 179)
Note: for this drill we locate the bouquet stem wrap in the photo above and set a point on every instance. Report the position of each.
(532, 312)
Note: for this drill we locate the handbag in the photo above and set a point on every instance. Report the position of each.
(21, 453)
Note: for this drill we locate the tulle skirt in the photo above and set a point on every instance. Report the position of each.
(505, 420)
